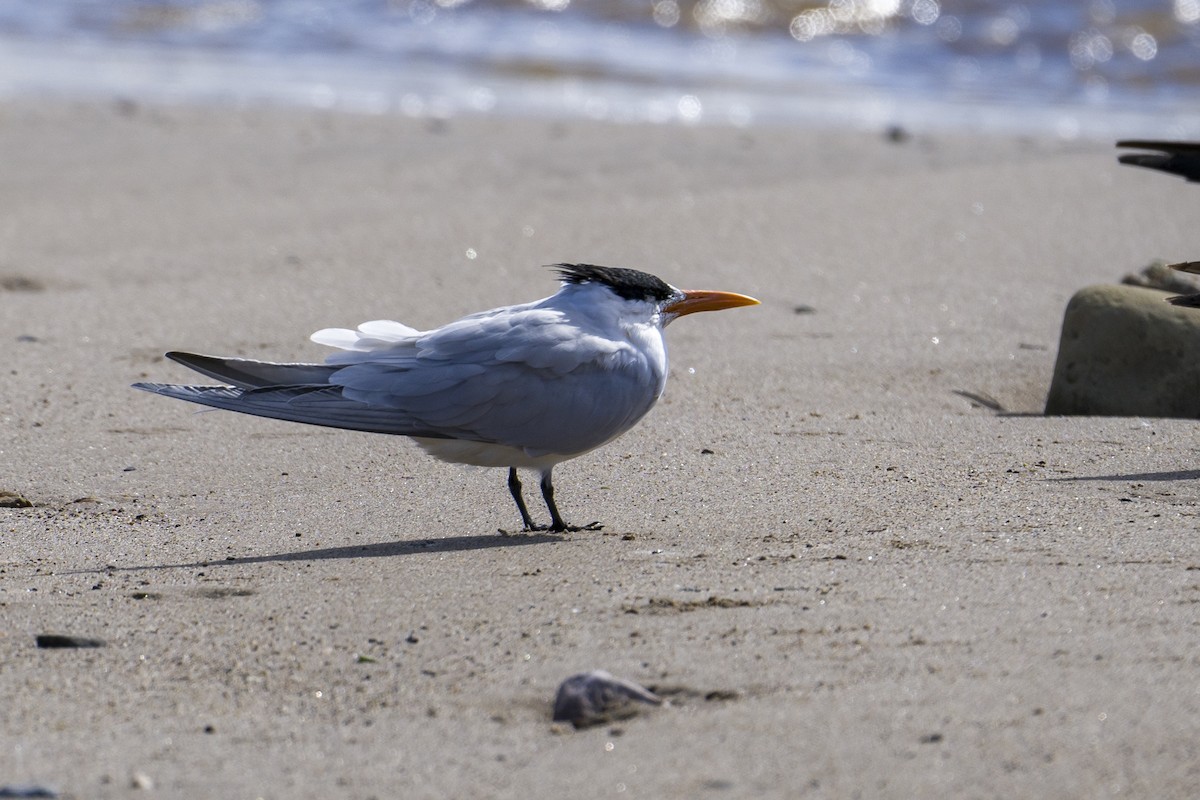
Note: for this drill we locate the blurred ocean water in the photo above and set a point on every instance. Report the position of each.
(1094, 68)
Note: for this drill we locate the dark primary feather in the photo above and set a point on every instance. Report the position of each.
(247, 374)
(312, 405)
(1177, 158)
(628, 284)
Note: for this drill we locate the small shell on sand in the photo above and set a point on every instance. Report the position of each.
(596, 697)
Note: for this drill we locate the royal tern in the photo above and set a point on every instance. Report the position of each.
(524, 386)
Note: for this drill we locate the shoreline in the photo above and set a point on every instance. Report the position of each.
(158, 76)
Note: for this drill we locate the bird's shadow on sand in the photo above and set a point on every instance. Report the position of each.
(451, 544)
(1179, 475)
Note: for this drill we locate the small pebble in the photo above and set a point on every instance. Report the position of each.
(596, 697)
(13, 500)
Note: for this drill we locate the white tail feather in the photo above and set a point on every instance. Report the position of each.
(369, 336)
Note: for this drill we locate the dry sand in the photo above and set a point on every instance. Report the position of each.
(870, 587)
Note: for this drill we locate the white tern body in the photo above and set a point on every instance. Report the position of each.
(523, 386)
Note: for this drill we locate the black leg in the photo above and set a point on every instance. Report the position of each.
(514, 486)
(556, 520)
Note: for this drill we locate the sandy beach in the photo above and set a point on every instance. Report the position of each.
(850, 579)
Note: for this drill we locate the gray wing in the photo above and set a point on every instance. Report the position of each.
(312, 405)
(291, 392)
(513, 404)
(525, 378)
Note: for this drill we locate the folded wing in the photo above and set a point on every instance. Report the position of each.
(526, 378)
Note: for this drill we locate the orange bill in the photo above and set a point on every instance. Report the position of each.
(699, 300)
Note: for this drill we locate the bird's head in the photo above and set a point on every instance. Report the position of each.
(655, 294)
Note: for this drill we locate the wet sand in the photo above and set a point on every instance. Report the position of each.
(847, 577)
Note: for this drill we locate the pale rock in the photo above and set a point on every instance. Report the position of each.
(1126, 351)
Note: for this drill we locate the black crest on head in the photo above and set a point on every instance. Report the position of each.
(629, 284)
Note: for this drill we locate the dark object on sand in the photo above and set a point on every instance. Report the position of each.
(1164, 276)
(26, 791)
(596, 697)
(1186, 300)
(13, 500)
(1178, 158)
(55, 640)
